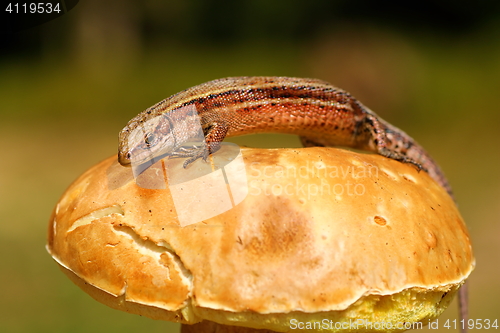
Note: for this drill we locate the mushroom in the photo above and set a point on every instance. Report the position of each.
(317, 238)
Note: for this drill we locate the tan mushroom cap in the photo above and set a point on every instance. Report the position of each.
(325, 236)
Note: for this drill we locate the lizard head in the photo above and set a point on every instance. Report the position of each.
(141, 141)
(150, 136)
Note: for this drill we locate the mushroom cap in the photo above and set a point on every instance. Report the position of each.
(323, 236)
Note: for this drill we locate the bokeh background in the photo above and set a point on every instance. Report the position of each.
(68, 86)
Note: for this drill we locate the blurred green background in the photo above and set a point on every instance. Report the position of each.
(67, 87)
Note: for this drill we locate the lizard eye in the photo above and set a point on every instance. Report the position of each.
(150, 139)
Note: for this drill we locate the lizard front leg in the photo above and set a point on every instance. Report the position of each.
(215, 132)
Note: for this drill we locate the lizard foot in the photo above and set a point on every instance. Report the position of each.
(195, 152)
(401, 158)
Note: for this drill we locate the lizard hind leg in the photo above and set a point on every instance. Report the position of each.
(381, 150)
(395, 155)
(390, 141)
(308, 142)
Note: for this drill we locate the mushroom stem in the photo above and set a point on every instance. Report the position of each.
(212, 327)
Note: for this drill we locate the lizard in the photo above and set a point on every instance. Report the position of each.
(320, 113)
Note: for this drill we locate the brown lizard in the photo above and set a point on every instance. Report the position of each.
(321, 114)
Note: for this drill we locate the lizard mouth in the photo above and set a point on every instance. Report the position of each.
(125, 159)
(134, 157)
(140, 159)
